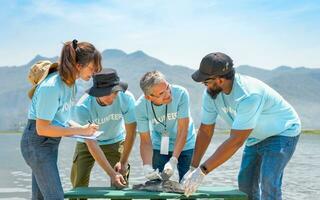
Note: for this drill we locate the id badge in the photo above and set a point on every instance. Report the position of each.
(164, 149)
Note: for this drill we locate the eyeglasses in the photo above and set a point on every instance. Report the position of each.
(161, 94)
(209, 80)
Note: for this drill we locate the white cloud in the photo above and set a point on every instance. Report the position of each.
(177, 32)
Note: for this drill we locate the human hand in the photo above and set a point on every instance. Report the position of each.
(89, 129)
(193, 181)
(150, 173)
(169, 168)
(118, 181)
(183, 180)
(121, 167)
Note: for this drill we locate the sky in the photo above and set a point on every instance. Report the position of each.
(260, 33)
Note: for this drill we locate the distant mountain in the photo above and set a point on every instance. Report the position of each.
(300, 86)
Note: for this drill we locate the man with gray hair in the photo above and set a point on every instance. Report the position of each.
(167, 134)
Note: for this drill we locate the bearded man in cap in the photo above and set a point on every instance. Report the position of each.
(111, 107)
(257, 115)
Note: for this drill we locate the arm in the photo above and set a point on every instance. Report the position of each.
(248, 112)
(128, 143)
(99, 156)
(183, 125)
(171, 165)
(223, 153)
(203, 140)
(146, 153)
(146, 150)
(45, 128)
(226, 149)
(97, 153)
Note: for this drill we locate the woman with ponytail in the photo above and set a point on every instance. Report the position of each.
(48, 115)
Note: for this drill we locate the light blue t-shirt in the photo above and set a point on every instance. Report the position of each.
(52, 101)
(252, 104)
(110, 118)
(178, 108)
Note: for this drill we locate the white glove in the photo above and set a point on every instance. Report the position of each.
(170, 167)
(150, 173)
(183, 180)
(193, 181)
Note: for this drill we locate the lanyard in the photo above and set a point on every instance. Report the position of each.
(165, 119)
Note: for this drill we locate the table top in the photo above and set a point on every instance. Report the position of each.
(129, 193)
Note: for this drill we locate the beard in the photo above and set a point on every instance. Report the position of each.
(214, 92)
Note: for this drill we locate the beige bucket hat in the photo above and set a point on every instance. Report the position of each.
(38, 72)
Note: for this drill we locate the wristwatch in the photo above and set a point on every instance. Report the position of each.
(204, 169)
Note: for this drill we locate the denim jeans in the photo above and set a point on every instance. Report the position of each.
(184, 161)
(262, 167)
(41, 154)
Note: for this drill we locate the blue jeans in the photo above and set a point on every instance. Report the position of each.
(262, 167)
(41, 154)
(184, 161)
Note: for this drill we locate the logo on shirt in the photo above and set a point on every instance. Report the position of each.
(67, 106)
(229, 110)
(170, 116)
(111, 117)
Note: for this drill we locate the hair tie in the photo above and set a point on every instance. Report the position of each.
(74, 44)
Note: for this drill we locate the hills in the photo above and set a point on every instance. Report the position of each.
(300, 86)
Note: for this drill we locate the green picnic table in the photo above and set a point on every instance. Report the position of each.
(128, 193)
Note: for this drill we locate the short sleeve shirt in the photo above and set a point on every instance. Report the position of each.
(177, 109)
(52, 101)
(252, 104)
(111, 118)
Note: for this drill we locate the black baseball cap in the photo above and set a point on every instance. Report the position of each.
(213, 64)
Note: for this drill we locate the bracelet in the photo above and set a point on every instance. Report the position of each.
(204, 169)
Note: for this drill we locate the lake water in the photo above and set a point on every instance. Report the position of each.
(301, 179)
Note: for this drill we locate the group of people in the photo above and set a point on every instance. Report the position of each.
(258, 116)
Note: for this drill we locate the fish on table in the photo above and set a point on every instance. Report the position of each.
(160, 185)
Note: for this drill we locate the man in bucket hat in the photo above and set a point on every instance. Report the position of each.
(110, 106)
(257, 115)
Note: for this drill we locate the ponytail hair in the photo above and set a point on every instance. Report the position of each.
(74, 53)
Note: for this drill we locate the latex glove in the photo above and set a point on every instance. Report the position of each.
(150, 173)
(170, 167)
(193, 181)
(183, 180)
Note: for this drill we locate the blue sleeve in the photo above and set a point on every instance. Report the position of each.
(47, 102)
(248, 112)
(142, 117)
(129, 108)
(183, 106)
(208, 110)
